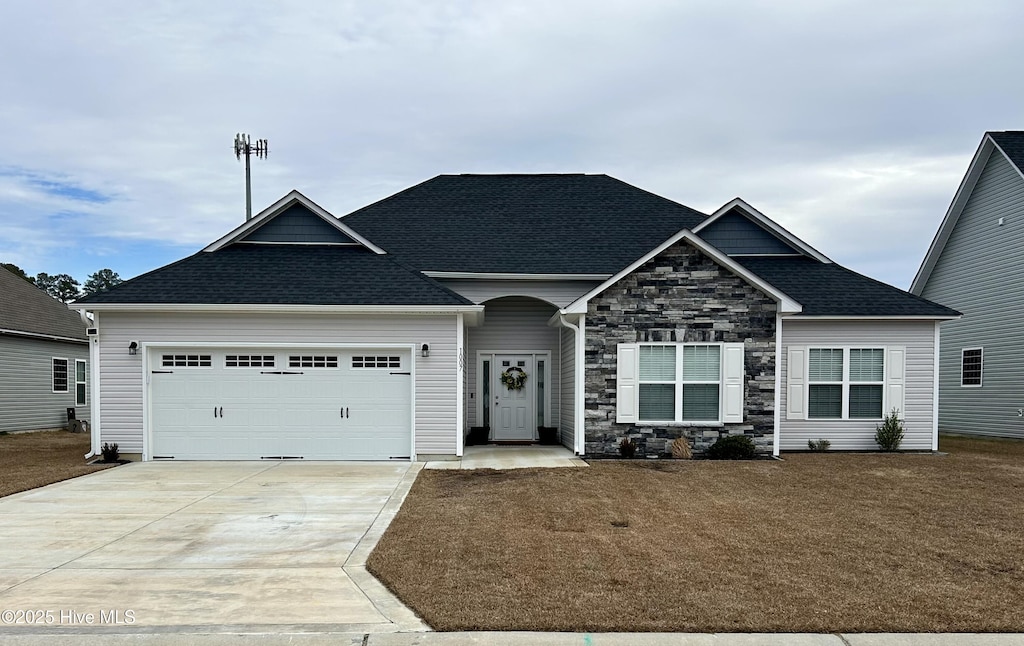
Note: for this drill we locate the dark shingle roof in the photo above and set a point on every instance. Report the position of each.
(285, 275)
(26, 308)
(1012, 143)
(534, 224)
(828, 289)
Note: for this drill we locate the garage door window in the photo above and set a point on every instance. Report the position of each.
(313, 361)
(186, 361)
(249, 361)
(376, 361)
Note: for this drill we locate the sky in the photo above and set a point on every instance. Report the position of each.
(849, 123)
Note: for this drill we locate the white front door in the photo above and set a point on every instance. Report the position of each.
(514, 418)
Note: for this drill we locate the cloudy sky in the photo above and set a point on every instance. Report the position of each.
(851, 123)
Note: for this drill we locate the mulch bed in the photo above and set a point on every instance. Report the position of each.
(30, 460)
(817, 543)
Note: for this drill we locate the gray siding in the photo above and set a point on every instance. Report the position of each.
(567, 390)
(297, 224)
(918, 337)
(979, 274)
(27, 400)
(735, 233)
(556, 292)
(122, 381)
(513, 324)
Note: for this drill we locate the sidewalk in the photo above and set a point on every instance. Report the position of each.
(519, 638)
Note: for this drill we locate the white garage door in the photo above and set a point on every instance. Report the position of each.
(253, 404)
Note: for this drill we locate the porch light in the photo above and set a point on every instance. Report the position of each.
(425, 350)
(133, 347)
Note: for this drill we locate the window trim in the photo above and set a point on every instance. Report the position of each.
(846, 383)
(679, 382)
(83, 382)
(53, 375)
(981, 368)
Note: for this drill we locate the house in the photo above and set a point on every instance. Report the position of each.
(509, 302)
(44, 358)
(972, 265)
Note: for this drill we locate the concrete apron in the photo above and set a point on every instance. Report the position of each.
(203, 547)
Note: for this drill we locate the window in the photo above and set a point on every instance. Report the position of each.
(313, 361)
(539, 383)
(79, 382)
(376, 362)
(845, 383)
(186, 361)
(249, 361)
(971, 363)
(679, 382)
(60, 375)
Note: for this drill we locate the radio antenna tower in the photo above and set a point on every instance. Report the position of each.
(244, 146)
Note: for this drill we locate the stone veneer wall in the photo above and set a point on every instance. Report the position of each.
(682, 295)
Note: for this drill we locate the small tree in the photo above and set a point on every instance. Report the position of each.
(889, 434)
(101, 280)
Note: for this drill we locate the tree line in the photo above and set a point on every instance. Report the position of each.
(65, 288)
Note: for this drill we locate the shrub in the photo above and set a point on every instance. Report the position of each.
(681, 449)
(890, 433)
(818, 446)
(110, 452)
(732, 447)
(627, 447)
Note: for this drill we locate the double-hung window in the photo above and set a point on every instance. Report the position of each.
(679, 382)
(846, 383)
(79, 382)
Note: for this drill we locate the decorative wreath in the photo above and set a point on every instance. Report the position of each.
(514, 378)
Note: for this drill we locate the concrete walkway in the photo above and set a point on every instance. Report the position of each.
(497, 456)
(197, 547)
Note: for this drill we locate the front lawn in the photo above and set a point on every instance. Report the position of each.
(817, 543)
(30, 460)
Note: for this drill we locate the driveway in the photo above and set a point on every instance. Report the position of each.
(220, 546)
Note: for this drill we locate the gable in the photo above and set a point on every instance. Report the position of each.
(981, 254)
(297, 227)
(736, 234)
(991, 173)
(690, 244)
(297, 224)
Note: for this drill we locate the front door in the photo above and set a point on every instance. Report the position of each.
(513, 418)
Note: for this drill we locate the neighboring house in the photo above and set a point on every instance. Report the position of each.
(44, 354)
(386, 334)
(974, 265)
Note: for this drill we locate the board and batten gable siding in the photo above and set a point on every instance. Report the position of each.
(567, 389)
(735, 233)
(298, 224)
(556, 292)
(122, 379)
(979, 274)
(918, 337)
(512, 325)
(27, 400)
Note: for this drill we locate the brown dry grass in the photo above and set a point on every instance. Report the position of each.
(818, 543)
(30, 460)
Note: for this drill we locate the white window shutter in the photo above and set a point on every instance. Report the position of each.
(895, 380)
(627, 391)
(733, 378)
(796, 382)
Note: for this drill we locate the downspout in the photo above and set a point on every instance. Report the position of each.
(778, 384)
(936, 360)
(94, 387)
(578, 370)
(460, 393)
